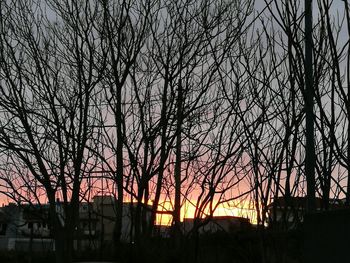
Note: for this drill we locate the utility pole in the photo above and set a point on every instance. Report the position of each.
(310, 157)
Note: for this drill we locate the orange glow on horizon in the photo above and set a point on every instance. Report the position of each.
(240, 209)
(223, 209)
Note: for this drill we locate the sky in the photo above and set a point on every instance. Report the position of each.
(222, 210)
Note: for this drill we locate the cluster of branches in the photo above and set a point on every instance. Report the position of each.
(170, 103)
(289, 61)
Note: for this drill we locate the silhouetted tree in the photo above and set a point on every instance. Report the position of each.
(50, 67)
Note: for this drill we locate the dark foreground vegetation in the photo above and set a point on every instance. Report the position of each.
(220, 247)
(322, 237)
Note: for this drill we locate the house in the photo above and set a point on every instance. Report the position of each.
(5, 226)
(288, 213)
(86, 235)
(227, 224)
(162, 231)
(105, 209)
(27, 227)
(34, 233)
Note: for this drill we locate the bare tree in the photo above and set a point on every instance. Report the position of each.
(50, 67)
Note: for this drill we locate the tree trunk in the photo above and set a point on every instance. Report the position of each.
(163, 156)
(63, 247)
(347, 197)
(63, 237)
(138, 215)
(31, 244)
(119, 172)
(177, 172)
